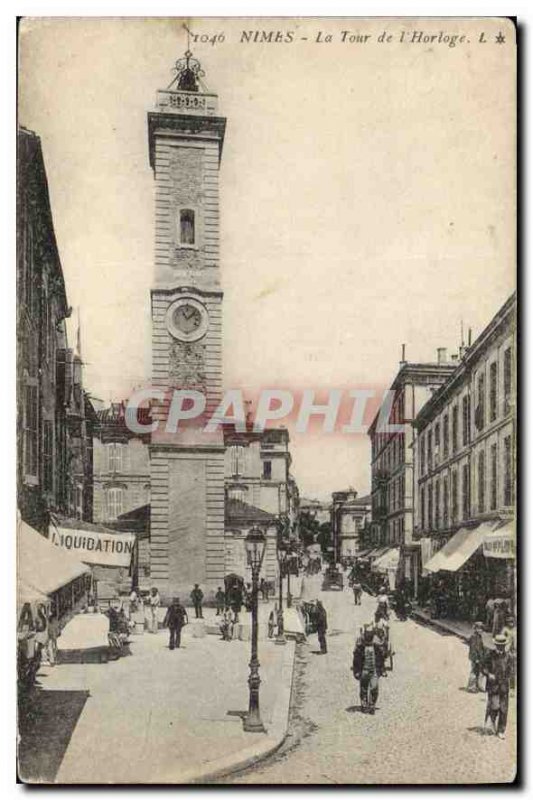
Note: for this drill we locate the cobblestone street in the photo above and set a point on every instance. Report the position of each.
(427, 728)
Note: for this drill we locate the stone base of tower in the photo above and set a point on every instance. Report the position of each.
(187, 520)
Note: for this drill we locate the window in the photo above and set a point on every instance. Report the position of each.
(507, 472)
(466, 492)
(493, 477)
(114, 502)
(48, 455)
(507, 380)
(437, 442)
(445, 501)
(430, 449)
(455, 505)
(466, 419)
(481, 483)
(455, 429)
(430, 505)
(237, 454)
(493, 391)
(446, 436)
(114, 457)
(423, 507)
(480, 410)
(437, 504)
(267, 470)
(187, 233)
(422, 447)
(30, 435)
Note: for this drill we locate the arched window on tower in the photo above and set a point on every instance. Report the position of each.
(186, 224)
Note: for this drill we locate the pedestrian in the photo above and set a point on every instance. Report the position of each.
(272, 621)
(263, 588)
(197, 596)
(321, 626)
(489, 613)
(220, 601)
(476, 655)
(53, 633)
(357, 592)
(509, 631)
(175, 618)
(226, 626)
(498, 669)
(382, 611)
(154, 601)
(367, 667)
(235, 599)
(500, 613)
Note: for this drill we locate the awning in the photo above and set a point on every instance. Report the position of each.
(41, 565)
(458, 549)
(362, 554)
(377, 552)
(500, 542)
(388, 561)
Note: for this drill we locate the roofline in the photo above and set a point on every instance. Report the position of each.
(471, 355)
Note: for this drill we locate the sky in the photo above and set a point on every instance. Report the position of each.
(367, 197)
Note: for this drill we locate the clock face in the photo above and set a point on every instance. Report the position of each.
(187, 319)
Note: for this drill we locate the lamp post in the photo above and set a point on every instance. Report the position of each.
(255, 548)
(280, 638)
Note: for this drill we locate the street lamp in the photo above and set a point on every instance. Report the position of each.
(255, 544)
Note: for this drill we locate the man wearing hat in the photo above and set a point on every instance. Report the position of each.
(175, 619)
(367, 668)
(476, 654)
(498, 669)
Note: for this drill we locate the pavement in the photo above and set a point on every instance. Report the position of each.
(427, 728)
(157, 716)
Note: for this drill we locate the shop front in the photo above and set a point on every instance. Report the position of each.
(462, 577)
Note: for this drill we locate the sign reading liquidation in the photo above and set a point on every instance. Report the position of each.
(106, 549)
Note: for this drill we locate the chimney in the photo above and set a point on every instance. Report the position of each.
(442, 355)
(470, 337)
(454, 358)
(462, 351)
(403, 361)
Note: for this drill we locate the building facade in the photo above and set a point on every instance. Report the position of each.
(350, 517)
(121, 466)
(54, 413)
(465, 464)
(392, 462)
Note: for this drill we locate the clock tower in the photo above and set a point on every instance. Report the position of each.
(187, 466)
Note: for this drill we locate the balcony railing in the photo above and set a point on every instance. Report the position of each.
(187, 102)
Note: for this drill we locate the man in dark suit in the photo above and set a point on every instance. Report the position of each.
(321, 626)
(368, 667)
(175, 619)
(498, 668)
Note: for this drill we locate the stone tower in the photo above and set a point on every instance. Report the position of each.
(187, 467)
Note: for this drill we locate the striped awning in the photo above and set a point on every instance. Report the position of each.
(458, 549)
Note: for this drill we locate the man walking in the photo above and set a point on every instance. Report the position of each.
(154, 602)
(357, 592)
(175, 619)
(321, 626)
(220, 601)
(476, 654)
(498, 669)
(197, 596)
(367, 668)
